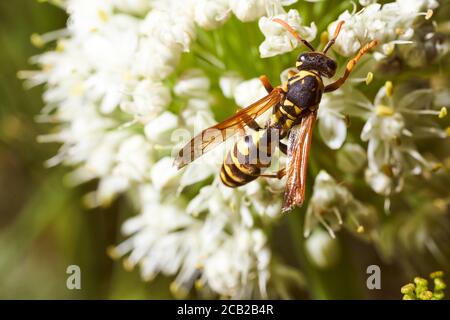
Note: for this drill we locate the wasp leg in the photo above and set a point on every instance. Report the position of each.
(350, 65)
(266, 83)
(283, 147)
(279, 174)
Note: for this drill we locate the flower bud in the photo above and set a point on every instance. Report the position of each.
(351, 158)
(322, 250)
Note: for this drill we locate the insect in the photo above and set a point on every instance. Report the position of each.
(294, 110)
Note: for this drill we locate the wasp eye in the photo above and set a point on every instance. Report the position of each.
(331, 64)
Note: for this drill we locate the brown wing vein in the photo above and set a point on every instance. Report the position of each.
(215, 135)
(298, 154)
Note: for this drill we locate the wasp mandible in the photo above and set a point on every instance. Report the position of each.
(294, 113)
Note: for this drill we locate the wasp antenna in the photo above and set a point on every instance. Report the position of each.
(293, 32)
(335, 35)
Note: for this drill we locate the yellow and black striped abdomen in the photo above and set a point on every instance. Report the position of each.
(244, 162)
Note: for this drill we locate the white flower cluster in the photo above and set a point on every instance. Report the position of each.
(107, 87)
(278, 40)
(114, 88)
(333, 206)
(391, 24)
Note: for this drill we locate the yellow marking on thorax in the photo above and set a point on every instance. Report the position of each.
(305, 73)
(288, 102)
(292, 81)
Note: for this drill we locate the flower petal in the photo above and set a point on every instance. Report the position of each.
(333, 130)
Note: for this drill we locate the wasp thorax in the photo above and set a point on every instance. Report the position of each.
(318, 62)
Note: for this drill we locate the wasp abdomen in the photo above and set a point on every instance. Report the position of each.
(248, 157)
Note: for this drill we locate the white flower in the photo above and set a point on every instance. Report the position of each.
(240, 259)
(351, 158)
(148, 99)
(192, 83)
(366, 2)
(332, 205)
(197, 115)
(163, 173)
(322, 250)
(171, 24)
(248, 10)
(210, 14)
(391, 152)
(332, 124)
(102, 158)
(86, 16)
(133, 6)
(248, 92)
(163, 238)
(132, 159)
(158, 130)
(333, 111)
(278, 39)
(228, 83)
(390, 24)
(414, 6)
(155, 59)
(380, 182)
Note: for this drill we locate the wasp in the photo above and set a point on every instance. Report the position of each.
(294, 111)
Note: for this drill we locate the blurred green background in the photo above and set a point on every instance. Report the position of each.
(44, 227)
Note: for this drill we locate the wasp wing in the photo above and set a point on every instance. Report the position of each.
(297, 162)
(215, 135)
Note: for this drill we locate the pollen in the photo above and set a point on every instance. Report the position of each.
(369, 78)
(37, 40)
(148, 277)
(429, 14)
(128, 265)
(77, 90)
(442, 113)
(388, 48)
(59, 46)
(360, 229)
(199, 284)
(382, 110)
(324, 37)
(389, 88)
(112, 252)
(103, 16)
(399, 31)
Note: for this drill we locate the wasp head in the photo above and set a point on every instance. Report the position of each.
(317, 61)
